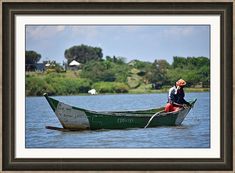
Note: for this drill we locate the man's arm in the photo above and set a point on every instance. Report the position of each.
(184, 101)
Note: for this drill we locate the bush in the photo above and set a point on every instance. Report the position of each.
(56, 84)
(35, 86)
(105, 71)
(120, 87)
(111, 87)
(71, 86)
(103, 87)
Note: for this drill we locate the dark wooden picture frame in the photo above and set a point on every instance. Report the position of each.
(10, 10)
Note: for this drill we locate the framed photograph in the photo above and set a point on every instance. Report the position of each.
(117, 86)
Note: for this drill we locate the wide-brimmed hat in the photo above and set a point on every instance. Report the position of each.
(180, 83)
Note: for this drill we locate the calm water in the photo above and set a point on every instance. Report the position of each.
(193, 133)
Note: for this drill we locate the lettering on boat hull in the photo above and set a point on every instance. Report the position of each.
(124, 120)
(72, 118)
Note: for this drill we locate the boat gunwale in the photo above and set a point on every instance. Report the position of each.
(109, 113)
(148, 114)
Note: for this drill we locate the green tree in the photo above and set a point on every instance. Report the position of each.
(83, 53)
(105, 70)
(98, 71)
(179, 62)
(162, 65)
(197, 62)
(194, 70)
(141, 65)
(31, 58)
(190, 62)
(204, 75)
(118, 60)
(158, 71)
(109, 58)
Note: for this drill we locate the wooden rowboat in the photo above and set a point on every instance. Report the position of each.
(74, 118)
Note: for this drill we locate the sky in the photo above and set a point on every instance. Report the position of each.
(142, 42)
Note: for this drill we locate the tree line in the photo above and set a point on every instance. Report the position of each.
(96, 68)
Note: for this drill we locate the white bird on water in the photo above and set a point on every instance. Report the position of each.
(92, 92)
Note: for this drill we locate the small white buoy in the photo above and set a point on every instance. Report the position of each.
(92, 92)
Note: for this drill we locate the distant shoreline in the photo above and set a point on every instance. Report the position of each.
(114, 75)
(187, 90)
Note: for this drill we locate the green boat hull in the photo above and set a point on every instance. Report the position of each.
(74, 118)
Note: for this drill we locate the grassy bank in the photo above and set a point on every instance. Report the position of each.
(147, 89)
(70, 83)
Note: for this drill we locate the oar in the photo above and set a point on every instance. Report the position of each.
(152, 118)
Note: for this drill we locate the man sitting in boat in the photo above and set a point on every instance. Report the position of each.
(176, 97)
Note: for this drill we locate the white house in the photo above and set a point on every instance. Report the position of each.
(74, 65)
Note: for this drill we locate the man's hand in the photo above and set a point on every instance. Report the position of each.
(187, 105)
(191, 105)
